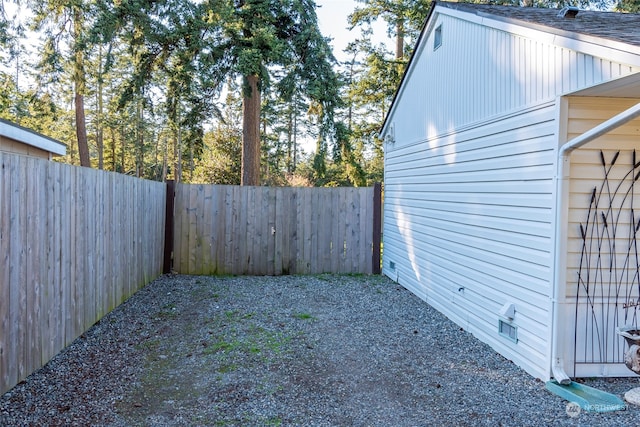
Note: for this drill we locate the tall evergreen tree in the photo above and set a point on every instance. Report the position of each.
(403, 17)
(261, 34)
(373, 75)
(197, 44)
(65, 22)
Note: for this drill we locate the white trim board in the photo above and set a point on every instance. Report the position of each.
(28, 137)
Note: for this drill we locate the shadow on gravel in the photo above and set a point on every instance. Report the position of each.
(322, 350)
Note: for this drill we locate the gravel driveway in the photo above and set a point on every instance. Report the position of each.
(294, 350)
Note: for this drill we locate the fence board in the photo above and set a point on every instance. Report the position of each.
(341, 236)
(306, 233)
(238, 263)
(195, 246)
(271, 232)
(83, 236)
(42, 212)
(207, 238)
(118, 212)
(32, 269)
(74, 243)
(313, 230)
(366, 221)
(265, 231)
(249, 237)
(326, 234)
(52, 187)
(18, 264)
(226, 263)
(217, 241)
(292, 231)
(9, 372)
(70, 272)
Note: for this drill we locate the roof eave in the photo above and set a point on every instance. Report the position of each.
(34, 139)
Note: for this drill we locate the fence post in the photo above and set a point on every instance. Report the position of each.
(377, 227)
(168, 226)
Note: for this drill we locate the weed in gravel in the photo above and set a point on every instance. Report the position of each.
(304, 316)
(151, 344)
(249, 419)
(168, 312)
(221, 345)
(268, 388)
(238, 335)
(226, 368)
(203, 293)
(274, 421)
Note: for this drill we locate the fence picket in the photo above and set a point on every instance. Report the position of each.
(5, 296)
(217, 235)
(18, 265)
(228, 223)
(32, 269)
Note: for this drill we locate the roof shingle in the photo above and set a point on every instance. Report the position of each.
(619, 27)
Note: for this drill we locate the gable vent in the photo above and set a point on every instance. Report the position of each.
(568, 12)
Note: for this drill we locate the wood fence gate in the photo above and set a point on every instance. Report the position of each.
(222, 229)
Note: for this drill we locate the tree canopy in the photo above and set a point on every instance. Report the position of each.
(223, 91)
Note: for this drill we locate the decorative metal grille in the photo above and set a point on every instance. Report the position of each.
(608, 280)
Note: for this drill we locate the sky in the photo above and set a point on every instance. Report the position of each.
(333, 22)
(332, 19)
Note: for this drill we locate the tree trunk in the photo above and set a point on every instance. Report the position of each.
(399, 39)
(295, 140)
(164, 162)
(251, 132)
(79, 83)
(177, 153)
(139, 140)
(99, 130)
(81, 131)
(289, 139)
(123, 160)
(112, 148)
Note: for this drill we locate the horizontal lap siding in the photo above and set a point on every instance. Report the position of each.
(469, 228)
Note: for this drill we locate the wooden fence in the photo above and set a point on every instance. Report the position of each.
(74, 243)
(236, 230)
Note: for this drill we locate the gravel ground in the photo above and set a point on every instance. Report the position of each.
(295, 350)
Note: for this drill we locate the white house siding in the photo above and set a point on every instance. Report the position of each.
(479, 72)
(470, 150)
(468, 227)
(598, 347)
